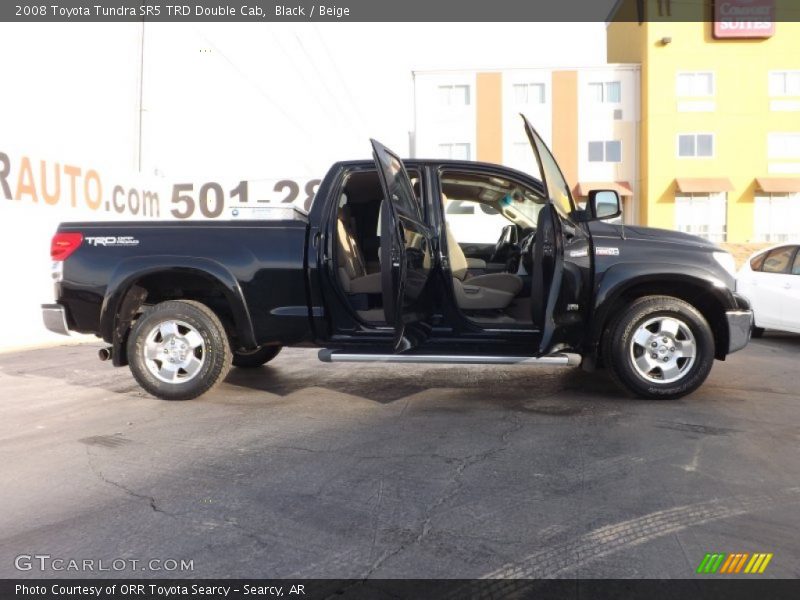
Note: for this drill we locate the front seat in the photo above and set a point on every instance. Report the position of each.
(350, 262)
(481, 292)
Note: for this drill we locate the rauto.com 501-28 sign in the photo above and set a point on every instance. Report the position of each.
(103, 196)
(744, 19)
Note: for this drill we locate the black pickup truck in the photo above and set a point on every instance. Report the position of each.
(375, 272)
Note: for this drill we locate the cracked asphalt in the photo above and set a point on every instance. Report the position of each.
(315, 470)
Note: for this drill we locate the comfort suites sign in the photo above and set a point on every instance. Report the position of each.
(744, 19)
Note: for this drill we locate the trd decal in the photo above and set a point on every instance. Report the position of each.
(124, 240)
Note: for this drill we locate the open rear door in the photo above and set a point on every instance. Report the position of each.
(405, 251)
(559, 302)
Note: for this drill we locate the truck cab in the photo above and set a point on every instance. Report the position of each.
(418, 261)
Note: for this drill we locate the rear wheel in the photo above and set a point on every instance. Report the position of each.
(256, 358)
(179, 350)
(659, 348)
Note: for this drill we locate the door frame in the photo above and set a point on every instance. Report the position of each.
(455, 317)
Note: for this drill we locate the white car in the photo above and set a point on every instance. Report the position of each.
(770, 279)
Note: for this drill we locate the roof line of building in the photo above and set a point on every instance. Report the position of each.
(623, 66)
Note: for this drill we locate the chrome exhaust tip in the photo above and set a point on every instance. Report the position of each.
(104, 353)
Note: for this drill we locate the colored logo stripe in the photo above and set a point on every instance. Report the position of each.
(720, 562)
(758, 563)
(710, 563)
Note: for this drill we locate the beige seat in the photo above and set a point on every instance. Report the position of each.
(481, 292)
(352, 271)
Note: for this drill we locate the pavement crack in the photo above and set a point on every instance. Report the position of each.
(149, 499)
(450, 491)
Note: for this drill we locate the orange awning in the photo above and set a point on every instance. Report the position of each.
(623, 188)
(778, 185)
(701, 185)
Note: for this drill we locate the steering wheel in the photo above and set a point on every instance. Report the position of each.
(506, 248)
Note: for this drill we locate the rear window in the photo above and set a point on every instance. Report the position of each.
(778, 260)
(796, 266)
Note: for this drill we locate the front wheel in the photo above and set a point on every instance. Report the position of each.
(179, 350)
(659, 348)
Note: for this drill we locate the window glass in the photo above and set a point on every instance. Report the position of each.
(778, 260)
(695, 145)
(478, 206)
(457, 151)
(454, 95)
(705, 145)
(695, 84)
(529, 93)
(757, 262)
(685, 145)
(613, 151)
(610, 151)
(596, 91)
(613, 92)
(784, 83)
(776, 217)
(704, 215)
(796, 265)
(608, 92)
(783, 145)
(595, 151)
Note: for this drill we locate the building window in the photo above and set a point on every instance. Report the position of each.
(783, 145)
(695, 145)
(704, 215)
(695, 85)
(776, 217)
(610, 151)
(528, 93)
(454, 95)
(607, 92)
(784, 83)
(454, 151)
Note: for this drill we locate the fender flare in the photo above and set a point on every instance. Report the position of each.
(622, 277)
(129, 271)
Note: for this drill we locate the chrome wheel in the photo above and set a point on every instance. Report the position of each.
(663, 349)
(174, 352)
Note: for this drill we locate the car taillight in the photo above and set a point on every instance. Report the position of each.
(64, 244)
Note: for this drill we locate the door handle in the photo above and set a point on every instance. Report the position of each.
(787, 286)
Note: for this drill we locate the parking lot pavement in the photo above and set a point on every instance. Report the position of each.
(307, 469)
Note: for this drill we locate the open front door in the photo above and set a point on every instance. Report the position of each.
(561, 281)
(405, 251)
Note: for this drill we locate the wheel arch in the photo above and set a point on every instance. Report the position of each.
(695, 286)
(150, 280)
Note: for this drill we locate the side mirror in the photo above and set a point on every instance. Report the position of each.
(604, 204)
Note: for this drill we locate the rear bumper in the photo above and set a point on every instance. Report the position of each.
(740, 325)
(55, 318)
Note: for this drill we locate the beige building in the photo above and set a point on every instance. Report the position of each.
(589, 117)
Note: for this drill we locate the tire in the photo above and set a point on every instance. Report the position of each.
(689, 352)
(253, 360)
(179, 350)
(757, 332)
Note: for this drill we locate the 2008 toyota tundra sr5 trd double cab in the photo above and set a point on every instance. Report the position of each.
(376, 272)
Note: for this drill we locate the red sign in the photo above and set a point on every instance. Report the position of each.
(744, 18)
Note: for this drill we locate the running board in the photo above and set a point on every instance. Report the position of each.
(565, 360)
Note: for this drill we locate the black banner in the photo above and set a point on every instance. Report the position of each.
(744, 11)
(395, 589)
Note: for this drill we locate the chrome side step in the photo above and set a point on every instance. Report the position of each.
(565, 360)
